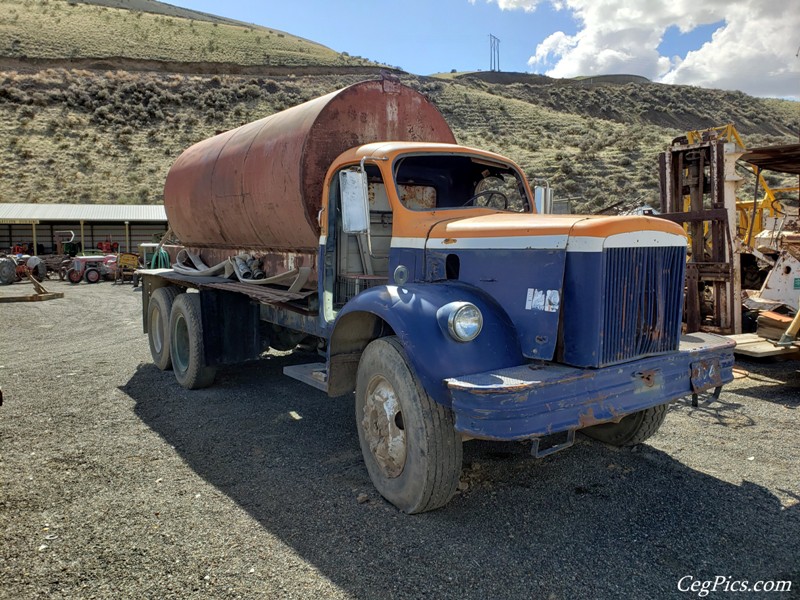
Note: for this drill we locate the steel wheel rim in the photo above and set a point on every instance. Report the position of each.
(180, 355)
(383, 427)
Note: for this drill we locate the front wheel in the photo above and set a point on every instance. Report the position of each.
(410, 446)
(74, 276)
(631, 430)
(187, 344)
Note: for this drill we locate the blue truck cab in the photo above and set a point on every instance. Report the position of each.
(510, 325)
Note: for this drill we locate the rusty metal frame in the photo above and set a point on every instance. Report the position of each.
(692, 180)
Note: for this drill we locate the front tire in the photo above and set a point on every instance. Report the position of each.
(187, 344)
(631, 430)
(410, 446)
(74, 276)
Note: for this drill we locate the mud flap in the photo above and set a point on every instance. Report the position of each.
(230, 327)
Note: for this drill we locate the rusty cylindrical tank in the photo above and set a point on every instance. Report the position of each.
(260, 186)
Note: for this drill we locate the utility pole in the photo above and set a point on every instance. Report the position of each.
(494, 53)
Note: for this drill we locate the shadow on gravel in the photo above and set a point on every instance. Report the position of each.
(722, 412)
(771, 380)
(593, 521)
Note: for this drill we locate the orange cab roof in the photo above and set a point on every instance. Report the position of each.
(391, 150)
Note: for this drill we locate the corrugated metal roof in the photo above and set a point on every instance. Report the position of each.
(133, 213)
(783, 159)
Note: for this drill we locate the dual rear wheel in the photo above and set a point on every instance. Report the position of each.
(175, 334)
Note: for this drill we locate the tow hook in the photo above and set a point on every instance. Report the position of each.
(537, 453)
(648, 377)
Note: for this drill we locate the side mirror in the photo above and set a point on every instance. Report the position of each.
(543, 198)
(355, 201)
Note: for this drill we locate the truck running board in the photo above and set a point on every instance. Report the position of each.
(314, 374)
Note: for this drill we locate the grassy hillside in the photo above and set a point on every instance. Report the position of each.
(59, 29)
(161, 8)
(83, 136)
(72, 135)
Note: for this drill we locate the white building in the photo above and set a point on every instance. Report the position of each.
(37, 225)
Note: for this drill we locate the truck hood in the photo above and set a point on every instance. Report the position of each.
(521, 261)
(570, 232)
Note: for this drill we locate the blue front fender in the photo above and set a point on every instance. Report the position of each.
(410, 311)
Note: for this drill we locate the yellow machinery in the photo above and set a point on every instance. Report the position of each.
(699, 185)
(750, 214)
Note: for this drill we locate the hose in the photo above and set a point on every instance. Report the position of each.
(199, 268)
(160, 260)
(233, 266)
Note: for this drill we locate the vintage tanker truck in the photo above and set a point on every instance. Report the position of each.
(421, 272)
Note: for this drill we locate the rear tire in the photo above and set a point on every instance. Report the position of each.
(158, 311)
(37, 268)
(631, 430)
(92, 275)
(187, 344)
(410, 446)
(8, 271)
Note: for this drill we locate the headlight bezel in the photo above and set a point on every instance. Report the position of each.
(461, 310)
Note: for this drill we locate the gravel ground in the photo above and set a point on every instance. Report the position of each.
(117, 483)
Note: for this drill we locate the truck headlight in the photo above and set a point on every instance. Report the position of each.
(464, 322)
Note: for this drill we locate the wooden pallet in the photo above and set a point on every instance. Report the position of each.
(41, 294)
(751, 344)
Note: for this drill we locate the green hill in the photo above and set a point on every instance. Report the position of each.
(148, 30)
(85, 118)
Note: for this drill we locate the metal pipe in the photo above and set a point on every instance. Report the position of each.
(755, 207)
(243, 268)
(254, 265)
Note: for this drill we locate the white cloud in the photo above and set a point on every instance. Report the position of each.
(526, 5)
(753, 50)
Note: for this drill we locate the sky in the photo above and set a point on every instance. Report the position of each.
(747, 45)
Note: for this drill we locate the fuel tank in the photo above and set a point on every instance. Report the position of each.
(259, 186)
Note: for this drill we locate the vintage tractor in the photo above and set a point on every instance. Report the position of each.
(16, 268)
(91, 268)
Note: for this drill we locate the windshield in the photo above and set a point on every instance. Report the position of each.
(440, 181)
